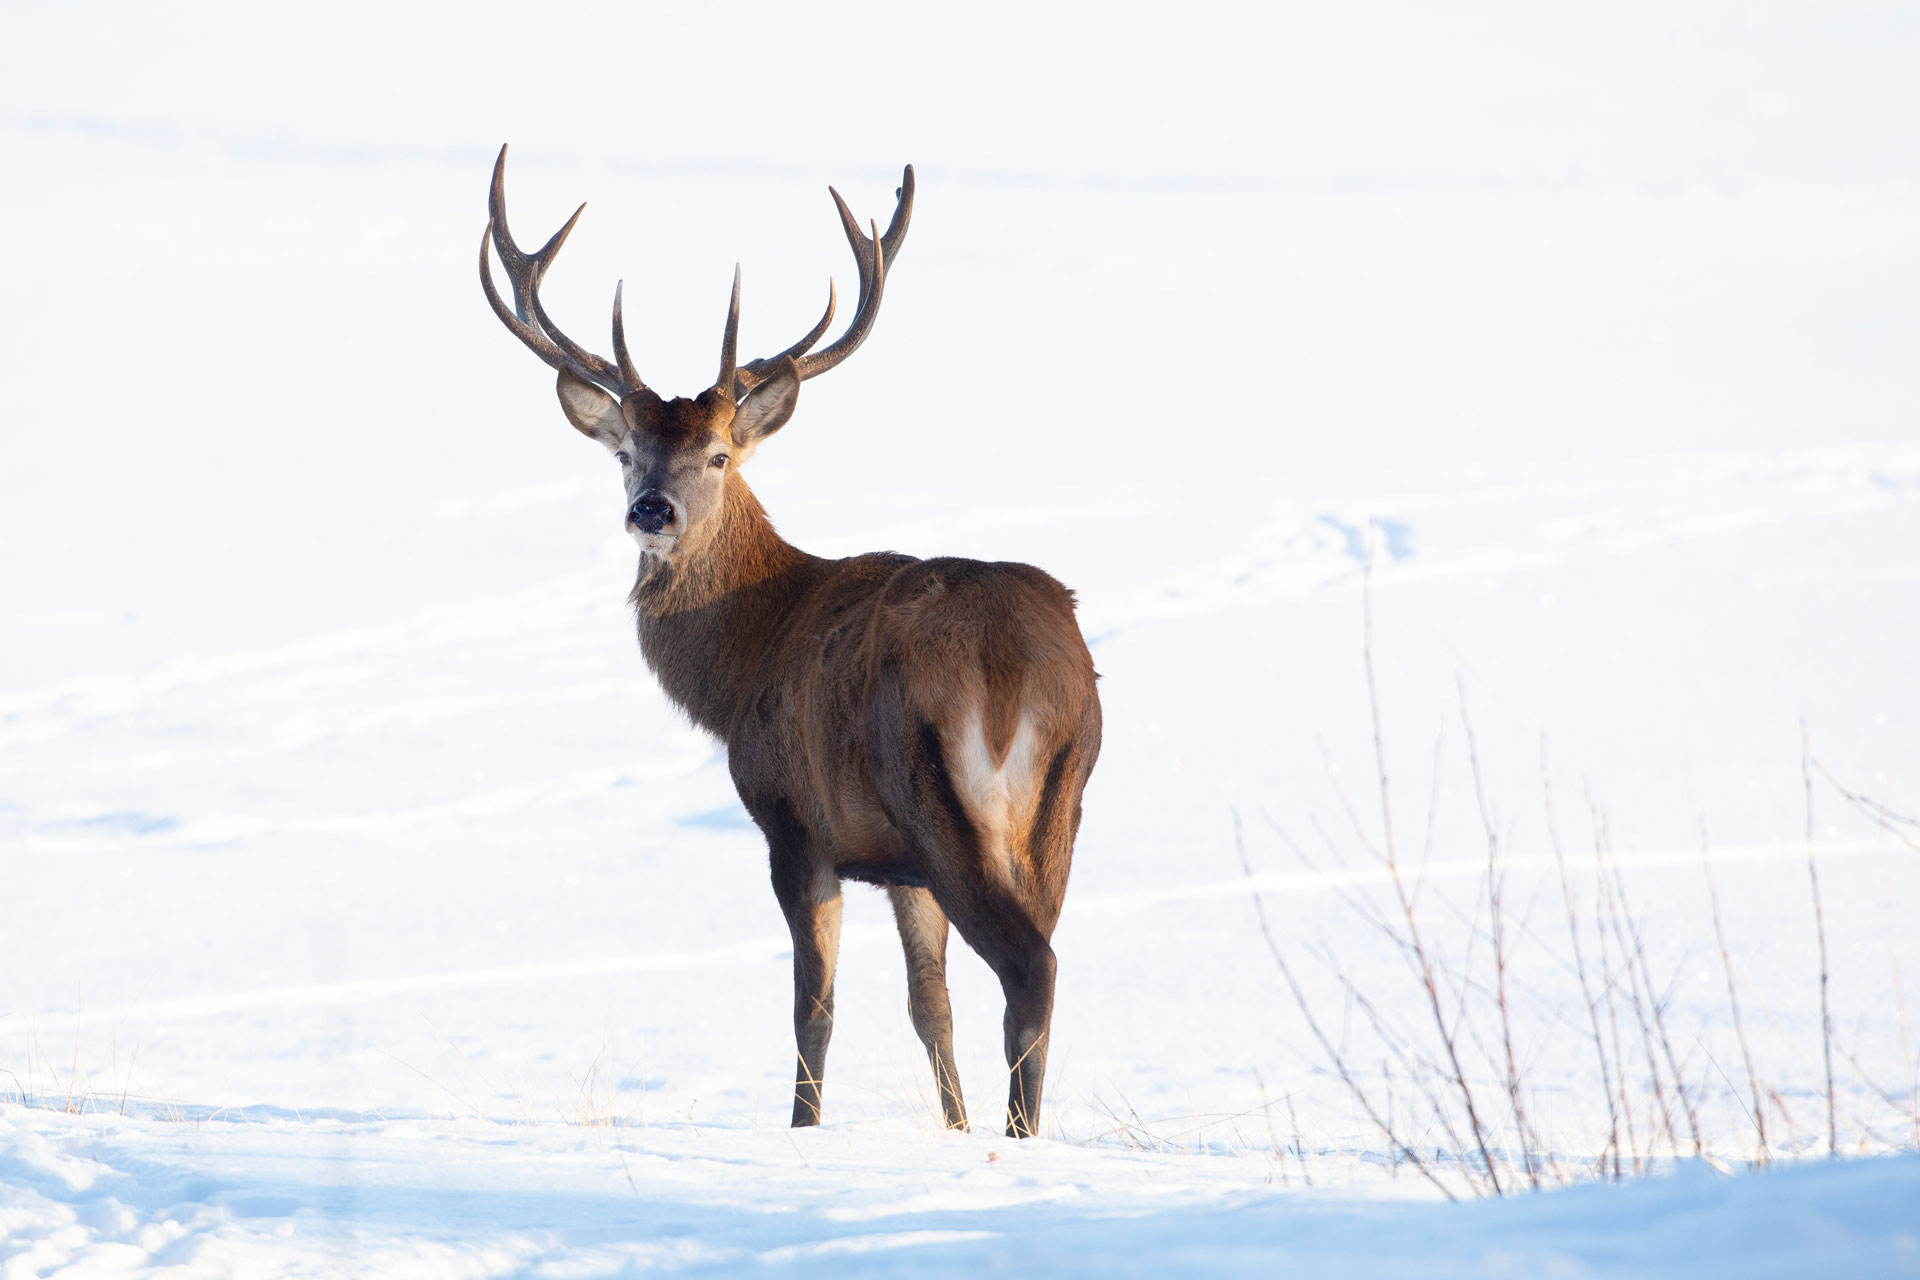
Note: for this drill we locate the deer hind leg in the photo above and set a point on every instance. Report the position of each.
(809, 895)
(1026, 972)
(996, 925)
(970, 871)
(923, 935)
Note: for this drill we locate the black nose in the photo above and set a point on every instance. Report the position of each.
(651, 512)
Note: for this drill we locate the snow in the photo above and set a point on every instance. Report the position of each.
(368, 909)
(320, 1196)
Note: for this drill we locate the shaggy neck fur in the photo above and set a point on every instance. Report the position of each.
(707, 618)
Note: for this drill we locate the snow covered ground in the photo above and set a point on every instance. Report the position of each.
(316, 1196)
(364, 907)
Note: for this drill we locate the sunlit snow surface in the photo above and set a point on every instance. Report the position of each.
(365, 908)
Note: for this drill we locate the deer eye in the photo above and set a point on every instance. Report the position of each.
(717, 460)
(625, 460)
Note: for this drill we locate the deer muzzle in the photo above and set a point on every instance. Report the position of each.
(651, 512)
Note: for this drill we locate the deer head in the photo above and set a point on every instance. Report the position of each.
(677, 456)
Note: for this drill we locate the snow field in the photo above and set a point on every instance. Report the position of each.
(364, 908)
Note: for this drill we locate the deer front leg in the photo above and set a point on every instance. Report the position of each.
(809, 895)
(923, 935)
(816, 945)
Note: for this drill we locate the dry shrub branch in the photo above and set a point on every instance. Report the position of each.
(1477, 1016)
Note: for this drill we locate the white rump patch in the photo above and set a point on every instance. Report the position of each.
(998, 799)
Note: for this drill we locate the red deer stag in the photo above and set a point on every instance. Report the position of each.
(923, 725)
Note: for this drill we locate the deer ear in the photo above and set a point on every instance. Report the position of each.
(592, 412)
(767, 407)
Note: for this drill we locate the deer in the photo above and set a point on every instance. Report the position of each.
(926, 726)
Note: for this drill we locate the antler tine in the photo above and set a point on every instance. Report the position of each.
(510, 256)
(754, 372)
(530, 322)
(620, 339)
(516, 260)
(896, 229)
(535, 340)
(872, 286)
(730, 343)
(857, 240)
(588, 365)
(870, 255)
(902, 215)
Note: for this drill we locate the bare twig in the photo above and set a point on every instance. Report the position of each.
(1354, 902)
(1495, 879)
(1759, 1112)
(1266, 1114)
(1334, 1056)
(1872, 1084)
(1616, 911)
(1420, 1068)
(1656, 1010)
(1299, 1147)
(1820, 928)
(478, 1114)
(1659, 1001)
(1899, 999)
(1351, 814)
(1902, 828)
(1433, 811)
(1580, 961)
(1599, 821)
(1399, 885)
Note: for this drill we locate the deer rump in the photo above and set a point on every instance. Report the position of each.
(941, 740)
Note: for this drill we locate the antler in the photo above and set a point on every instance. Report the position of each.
(872, 255)
(528, 320)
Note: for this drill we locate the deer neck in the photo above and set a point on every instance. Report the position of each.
(708, 619)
